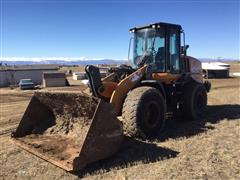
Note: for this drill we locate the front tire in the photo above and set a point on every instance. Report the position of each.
(144, 112)
(195, 101)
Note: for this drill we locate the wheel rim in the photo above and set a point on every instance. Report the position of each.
(151, 115)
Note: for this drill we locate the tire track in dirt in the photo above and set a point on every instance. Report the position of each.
(3, 105)
(11, 114)
(11, 120)
(7, 131)
(12, 110)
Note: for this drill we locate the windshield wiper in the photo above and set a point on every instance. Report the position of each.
(147, 57)
(154, 37)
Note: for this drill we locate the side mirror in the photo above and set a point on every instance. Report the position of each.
(184, 49)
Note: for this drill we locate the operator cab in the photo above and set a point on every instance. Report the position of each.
(159, 45)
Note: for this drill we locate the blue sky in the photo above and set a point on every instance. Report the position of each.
(99, 29)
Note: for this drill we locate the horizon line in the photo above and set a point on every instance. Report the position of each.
(52, 58)
(83, 58)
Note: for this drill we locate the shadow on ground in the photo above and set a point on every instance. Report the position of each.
(132, 152)
(186, 128)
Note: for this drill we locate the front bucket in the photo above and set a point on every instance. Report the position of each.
(69, 130)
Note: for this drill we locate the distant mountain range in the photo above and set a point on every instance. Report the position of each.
(64, 62)
(85, 62)
(214, 60)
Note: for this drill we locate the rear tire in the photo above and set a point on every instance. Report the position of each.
(144, 112)
(195, 101)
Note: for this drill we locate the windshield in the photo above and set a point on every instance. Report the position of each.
(143, 41)
(151, 42)
(26, 81)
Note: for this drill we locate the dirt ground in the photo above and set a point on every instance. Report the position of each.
(205, 149)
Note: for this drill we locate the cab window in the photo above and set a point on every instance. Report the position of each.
(174, 56)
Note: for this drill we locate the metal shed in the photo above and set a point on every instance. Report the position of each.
(54, 79)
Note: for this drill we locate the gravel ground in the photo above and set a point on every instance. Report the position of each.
(206, 149)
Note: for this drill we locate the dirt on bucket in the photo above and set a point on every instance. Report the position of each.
(73, 115)
(60, 123)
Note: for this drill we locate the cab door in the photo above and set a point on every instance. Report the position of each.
(172, 52)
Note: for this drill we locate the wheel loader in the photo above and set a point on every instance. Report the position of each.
(74, 129)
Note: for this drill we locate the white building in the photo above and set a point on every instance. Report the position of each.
(216, 69)
(83, 75)
(11, 75)
(79, 75)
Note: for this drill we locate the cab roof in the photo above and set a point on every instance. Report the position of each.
(175, 26)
